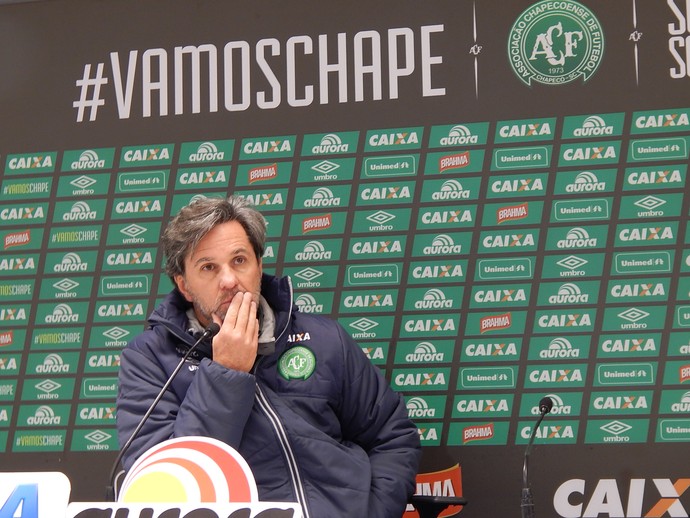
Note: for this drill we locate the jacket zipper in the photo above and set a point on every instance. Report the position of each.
(277, 424)
(287, 450)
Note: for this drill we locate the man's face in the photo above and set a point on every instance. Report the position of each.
(222, 264)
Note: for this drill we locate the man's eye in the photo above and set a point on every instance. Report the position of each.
(207, 267)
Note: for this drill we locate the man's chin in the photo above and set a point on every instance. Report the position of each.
(220, 313)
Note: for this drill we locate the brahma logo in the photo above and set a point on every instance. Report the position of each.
(456, 161)
(20, 238)
(477, 433)
(444, 483)
(189, 469)
(316, 223)
(263, 173)
(512, 213)
(495, 322)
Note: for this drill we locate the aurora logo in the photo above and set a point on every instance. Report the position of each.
(189, 469)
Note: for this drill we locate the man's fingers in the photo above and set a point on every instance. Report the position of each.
(233, 311)
(247, 312)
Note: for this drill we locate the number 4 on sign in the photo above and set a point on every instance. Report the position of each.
(22, 503)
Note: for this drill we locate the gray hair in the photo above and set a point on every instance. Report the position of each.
(195, 220)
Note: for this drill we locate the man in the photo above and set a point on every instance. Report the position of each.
(292, 392)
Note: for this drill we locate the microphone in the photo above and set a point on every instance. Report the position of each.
(527, 504)
(210, 331)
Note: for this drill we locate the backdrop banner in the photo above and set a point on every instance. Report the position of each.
(490, 196)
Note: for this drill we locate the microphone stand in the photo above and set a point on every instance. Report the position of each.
(211, 330)
(527, 502)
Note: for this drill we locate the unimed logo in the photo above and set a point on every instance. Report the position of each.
(651, 498)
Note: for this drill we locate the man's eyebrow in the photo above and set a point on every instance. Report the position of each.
(202, 260)
(240, 250)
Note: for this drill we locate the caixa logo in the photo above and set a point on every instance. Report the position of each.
(31, 162)
(578, 498)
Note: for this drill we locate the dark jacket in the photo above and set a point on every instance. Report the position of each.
(356, 452)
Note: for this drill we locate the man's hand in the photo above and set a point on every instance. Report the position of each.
(236, 343)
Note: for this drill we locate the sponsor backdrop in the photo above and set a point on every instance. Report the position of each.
(490, 196)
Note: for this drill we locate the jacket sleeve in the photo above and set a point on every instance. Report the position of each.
(374, 416)
(216, 404)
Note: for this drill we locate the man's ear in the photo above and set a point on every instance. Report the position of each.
(182, 286)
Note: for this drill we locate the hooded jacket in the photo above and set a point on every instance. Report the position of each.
(333, 437)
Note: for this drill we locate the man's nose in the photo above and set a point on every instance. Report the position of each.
(228, 278)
